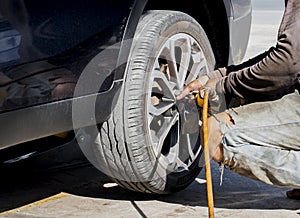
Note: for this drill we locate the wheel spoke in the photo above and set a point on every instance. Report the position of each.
(186, 53)
(168, 53)
(163, 88)
(160, 109)
(188, 153)
(196, 70)
(178, 54)
(167, 86)
(162, 133)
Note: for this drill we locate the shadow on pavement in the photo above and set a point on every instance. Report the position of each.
(23, 184)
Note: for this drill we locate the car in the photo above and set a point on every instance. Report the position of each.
(105, 75)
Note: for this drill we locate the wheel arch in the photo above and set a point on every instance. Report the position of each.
(211, 15)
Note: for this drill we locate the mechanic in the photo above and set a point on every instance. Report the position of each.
(260, 138)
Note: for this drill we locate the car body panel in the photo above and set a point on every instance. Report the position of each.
(48, 28)
(50, 49)
(239, 18)
(53, 118)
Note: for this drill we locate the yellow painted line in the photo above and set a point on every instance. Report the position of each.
(36, 203)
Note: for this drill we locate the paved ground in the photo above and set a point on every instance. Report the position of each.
(84, 192)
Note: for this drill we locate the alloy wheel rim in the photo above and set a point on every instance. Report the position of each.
(179, 61)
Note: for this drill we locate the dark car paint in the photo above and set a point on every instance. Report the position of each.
(46, 116)
(64, 35)
(26, 106)
(48, 28)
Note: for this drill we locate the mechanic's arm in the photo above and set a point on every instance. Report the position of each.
(224, 71)
(278, 71)
(216, 75)
(274, 74)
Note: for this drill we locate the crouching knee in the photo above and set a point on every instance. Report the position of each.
(215, 135)
(214, 139)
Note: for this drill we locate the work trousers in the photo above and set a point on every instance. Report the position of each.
(264, 141)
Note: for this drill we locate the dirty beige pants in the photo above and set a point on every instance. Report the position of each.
(264, 142)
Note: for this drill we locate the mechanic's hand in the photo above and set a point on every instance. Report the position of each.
(217, 102)
(211, 84)
(195, 85)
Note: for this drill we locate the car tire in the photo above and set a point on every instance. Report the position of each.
(151, 142)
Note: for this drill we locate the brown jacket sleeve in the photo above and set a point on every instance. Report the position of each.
(275, 71)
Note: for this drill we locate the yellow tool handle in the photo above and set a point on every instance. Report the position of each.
(200, 101)
(206, 156)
